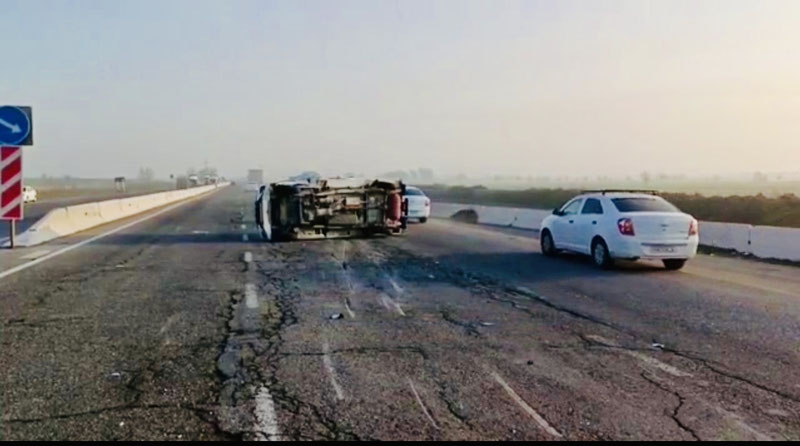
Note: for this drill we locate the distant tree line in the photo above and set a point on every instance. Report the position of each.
(421, 175)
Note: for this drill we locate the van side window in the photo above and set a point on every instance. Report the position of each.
(592, 206)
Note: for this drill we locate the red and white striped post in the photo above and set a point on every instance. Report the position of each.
(11, 187)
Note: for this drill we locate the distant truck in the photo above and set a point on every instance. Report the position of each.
(193, 180)
(255, 178)
(330, 208)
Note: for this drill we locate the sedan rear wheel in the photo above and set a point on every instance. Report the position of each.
(600, 254)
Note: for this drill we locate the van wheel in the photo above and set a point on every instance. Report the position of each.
(423, 219)
(674, 264)
(600, 254)
(548, 247)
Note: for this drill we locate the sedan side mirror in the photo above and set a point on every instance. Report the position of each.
(556, 212)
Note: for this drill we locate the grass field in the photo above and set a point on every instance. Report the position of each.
(57, 189)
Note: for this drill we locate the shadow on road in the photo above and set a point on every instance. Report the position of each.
(535, 267)
(201, 237)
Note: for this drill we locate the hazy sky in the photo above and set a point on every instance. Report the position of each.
(530, 87)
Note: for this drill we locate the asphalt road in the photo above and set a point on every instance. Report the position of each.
(178, 328)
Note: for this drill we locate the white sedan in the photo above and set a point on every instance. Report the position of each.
(611, 225)
(419, 205)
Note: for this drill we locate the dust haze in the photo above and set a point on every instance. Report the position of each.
(511, 92)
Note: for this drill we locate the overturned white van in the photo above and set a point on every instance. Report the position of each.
(330, 208)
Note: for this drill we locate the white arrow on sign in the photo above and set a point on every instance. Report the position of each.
(14, 128)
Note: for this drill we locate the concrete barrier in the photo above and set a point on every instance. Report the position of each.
(734, 236)
(767, 242)
(71, 219)
(770, 242)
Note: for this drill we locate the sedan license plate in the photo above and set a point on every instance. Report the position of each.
(663, 249)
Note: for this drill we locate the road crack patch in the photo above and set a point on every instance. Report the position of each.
(676, 409)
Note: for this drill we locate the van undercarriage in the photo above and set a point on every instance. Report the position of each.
(331, 208)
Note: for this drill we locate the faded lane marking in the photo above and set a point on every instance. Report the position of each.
(35, 254)
(343, 257)
(347, 308)
(350, 292)
(201, 232)
(170, 321)
(245, 237)
(421, 404)
(397, 288)
(266, 419)
(326, 359)
(247, 257)
(243, 226)
(390, 304)
(649, 360)
(69, 248)
(528, 409)
(739, 421)
(250, 296)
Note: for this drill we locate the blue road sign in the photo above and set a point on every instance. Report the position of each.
(15, 126)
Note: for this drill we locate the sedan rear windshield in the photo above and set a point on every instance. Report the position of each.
(410, 191)
(643, 204)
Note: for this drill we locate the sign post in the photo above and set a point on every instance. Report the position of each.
(15, 131)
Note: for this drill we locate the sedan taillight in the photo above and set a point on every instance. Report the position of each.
(427, 203)
(625, 226)
(693, 227)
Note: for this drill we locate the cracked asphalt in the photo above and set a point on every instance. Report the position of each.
(178, 328)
